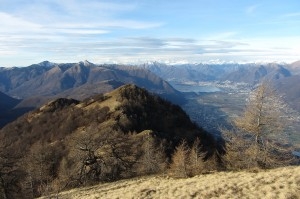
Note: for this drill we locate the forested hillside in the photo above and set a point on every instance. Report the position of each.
(69, 143)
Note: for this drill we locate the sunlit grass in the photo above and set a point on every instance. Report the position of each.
(276, 183)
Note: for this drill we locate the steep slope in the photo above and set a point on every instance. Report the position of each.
(101, 138)
(11, 78)
(191, 72)
(53, 81)
(128, 108)
(7, 102)
(294, 68)
(256, 73)
(7, 113)
(291, 90)
(249, 73)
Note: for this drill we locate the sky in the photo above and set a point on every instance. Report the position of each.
(139, 31)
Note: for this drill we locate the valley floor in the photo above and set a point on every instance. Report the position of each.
(276, 183)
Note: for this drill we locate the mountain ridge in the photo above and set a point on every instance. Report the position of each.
(139, 106)
(46, 78)
(218, 72)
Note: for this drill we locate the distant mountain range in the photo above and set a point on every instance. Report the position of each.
(248, 73)
(31, 86)
(38, 83)
(284, 76)
(50, 79)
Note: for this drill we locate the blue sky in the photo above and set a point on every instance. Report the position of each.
(137, 31)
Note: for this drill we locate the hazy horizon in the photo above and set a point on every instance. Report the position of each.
(166, 62)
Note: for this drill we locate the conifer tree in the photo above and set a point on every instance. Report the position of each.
(259, 130)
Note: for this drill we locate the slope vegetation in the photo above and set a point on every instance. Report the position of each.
(128, 109)
(103, 138)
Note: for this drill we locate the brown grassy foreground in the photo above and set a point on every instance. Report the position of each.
(276, 183)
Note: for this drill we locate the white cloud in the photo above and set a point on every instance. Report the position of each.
(142, 49)
(72, 13)
(5, 52)
(13, 24)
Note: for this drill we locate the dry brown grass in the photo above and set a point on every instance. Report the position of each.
(276, 183)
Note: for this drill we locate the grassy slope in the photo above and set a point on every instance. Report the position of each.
(277, 183)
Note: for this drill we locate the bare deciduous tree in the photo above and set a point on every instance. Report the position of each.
(10, 173)
(39, 165)
(102, 155)
(153, 159)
